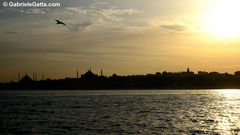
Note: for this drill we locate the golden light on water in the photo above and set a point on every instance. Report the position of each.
(229, 91)
(227, 119)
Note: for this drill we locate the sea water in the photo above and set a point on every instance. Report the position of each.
(120, 112)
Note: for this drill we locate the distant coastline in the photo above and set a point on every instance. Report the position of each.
(164, 80)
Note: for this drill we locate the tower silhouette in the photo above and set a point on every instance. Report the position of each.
(33, 77)
(77, 73)
(19, 76)
(42, 76)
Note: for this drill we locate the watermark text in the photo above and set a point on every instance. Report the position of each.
(30, 4)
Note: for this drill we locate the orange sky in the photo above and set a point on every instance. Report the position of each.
(123, 37)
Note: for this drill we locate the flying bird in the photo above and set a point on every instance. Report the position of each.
(59, 22)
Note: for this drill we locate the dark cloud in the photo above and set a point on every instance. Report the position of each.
(80, 26)
(11, 32)
(8, 48)
(174, 27)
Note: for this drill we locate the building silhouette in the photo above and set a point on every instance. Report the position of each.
(26, 79)
(160, 80)
(89, 74)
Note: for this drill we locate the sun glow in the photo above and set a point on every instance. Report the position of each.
(223, 19)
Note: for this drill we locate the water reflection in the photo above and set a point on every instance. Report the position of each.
(214, 112)
(229, 91)
(228, 117)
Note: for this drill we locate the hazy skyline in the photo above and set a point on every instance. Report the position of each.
(122, 37)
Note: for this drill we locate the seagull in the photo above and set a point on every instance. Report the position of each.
(59, 22)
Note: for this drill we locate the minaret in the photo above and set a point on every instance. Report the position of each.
(188, 70)
(77, 73)
(33, 77)
(19, 76)
(42, 76)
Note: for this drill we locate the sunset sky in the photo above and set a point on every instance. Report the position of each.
(120, 36)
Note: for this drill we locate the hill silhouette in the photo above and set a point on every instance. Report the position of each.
(164, 80)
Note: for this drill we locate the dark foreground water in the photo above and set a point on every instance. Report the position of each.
(120, 112)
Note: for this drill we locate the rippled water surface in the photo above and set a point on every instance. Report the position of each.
(120, 112)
